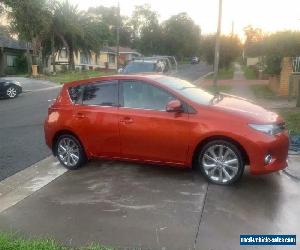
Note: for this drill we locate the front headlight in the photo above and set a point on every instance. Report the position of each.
(271, 129)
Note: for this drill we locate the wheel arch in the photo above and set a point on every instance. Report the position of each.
(203, 142)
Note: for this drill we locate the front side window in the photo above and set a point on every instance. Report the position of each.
(138, 94)
(102, 94)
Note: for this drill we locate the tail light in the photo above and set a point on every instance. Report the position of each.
(50, 110)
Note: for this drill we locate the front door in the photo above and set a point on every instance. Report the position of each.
(147, 131)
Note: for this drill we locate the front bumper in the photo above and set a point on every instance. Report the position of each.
(277, 146)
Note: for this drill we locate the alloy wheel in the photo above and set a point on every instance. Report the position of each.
(68, 151)
(11, 92)
(220, 163)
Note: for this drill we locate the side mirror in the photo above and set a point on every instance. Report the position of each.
(120, 70)
(174, 106)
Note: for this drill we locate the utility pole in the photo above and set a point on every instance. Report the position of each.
(217, 48)
(118, 34)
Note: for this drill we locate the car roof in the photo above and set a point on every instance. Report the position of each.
(139, 76)
(144, 61)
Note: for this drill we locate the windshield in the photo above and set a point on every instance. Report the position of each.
(187, 90)
(136, 67)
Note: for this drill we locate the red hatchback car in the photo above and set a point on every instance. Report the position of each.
(164, 120)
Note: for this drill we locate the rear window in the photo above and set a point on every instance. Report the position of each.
(139, 67)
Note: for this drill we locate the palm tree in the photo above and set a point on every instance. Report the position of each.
(67, 27)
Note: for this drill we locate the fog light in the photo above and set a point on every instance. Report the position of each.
(268, 159)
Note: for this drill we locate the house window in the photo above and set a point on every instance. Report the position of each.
(63, 53)
(84, 59)
(11, 60)
(112, 58)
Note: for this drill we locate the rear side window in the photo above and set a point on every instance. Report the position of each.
(103, 94)
(74, 93)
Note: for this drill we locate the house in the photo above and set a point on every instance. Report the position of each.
(106, 59)
(126, 54)
(10, 49)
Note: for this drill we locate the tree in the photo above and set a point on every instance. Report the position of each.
(253, 44)
(146, 34)
(30, 20)
(107, 19)
(181, 36)
(230, 49)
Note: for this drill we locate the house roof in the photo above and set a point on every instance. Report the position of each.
(11, 43)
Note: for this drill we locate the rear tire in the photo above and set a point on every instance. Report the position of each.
(69, 152)
(221, 162)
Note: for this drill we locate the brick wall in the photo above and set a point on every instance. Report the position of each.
(286, 71)
(274, 83)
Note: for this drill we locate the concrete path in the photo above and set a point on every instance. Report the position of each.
(240, 88)
(134, 206)
(118, 204)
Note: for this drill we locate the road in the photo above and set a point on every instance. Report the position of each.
(21, 129)
(192, 72)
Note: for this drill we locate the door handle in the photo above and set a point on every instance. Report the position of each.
(126, 120)
(80, 115)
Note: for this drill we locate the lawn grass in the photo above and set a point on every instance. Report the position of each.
(262, 91)
(69, 76)
(13, 242)
(224, 74)
(221, 88)
(292, 119)
(249, 73)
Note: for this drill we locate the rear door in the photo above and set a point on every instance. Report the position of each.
(147, 131)
(96, 118)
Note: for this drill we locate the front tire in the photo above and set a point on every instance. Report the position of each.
(11, 92)
(221, 162)
(69, 152)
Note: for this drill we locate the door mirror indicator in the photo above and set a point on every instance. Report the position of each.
(174, 106)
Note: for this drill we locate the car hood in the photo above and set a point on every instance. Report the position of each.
(249, 110)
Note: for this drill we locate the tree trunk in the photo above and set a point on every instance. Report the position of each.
(53, 54)
(71, 57)
(29, 59)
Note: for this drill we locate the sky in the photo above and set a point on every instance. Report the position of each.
(269, 15)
